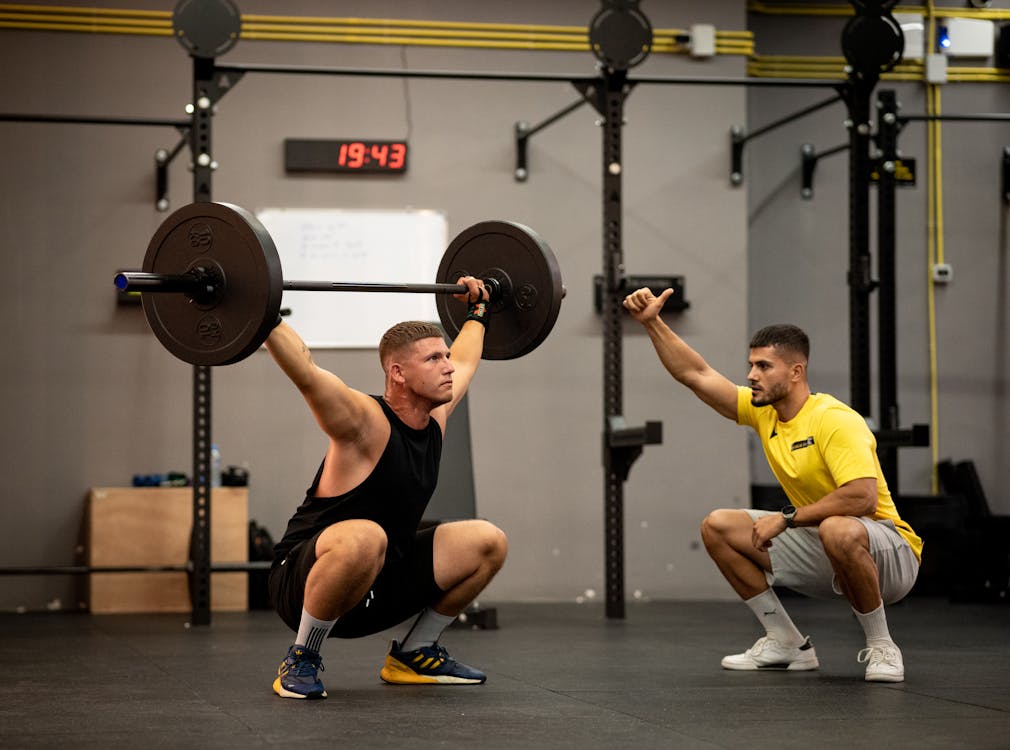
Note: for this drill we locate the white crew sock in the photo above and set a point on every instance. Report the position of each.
(312, 633)
(770, 613)
(426, 629)
(875, 626)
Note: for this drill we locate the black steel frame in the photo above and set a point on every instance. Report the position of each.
(162, 157)
(87, 120)
(739, 137)
(189, 567)
(887, 317)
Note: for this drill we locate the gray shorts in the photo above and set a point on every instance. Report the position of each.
(800, 563)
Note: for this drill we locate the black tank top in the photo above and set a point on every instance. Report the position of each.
(394, 495)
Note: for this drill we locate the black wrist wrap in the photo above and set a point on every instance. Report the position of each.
(478, 311)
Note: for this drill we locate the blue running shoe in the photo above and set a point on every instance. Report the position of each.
(427, 665)
(296, 676)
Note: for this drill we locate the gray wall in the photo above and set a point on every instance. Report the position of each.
(809, 238)
(90, 398)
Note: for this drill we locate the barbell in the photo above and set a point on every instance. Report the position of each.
(211, 284)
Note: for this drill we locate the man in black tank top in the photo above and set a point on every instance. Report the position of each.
(352, 561)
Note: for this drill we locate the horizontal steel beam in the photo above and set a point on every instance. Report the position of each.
(71, 570)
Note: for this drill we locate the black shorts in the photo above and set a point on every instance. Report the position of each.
(402, 589)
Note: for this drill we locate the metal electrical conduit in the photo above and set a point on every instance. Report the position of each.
(813, 9)
(934, 255)
(353, 30)
(833, 68)
(934, 241)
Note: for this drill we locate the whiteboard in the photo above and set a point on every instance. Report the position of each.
(365, 246)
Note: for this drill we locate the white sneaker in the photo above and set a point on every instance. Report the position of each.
(883, 663)
(768, 653)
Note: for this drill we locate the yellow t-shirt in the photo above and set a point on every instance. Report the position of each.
(824, 446)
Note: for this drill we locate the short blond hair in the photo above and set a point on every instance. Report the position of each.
(403, 334)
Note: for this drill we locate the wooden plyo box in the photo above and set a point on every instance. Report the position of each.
(151, 526)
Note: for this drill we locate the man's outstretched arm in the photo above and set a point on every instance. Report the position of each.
(680, 360)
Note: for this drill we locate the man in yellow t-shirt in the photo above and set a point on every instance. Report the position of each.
(840, 536)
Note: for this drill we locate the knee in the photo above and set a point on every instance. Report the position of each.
(716, 526)
(358, 541)
(368, 540)
(484, 542)
(492, 543)
(842, 537)
(466, 547)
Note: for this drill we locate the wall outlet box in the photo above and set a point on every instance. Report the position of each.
(936, 68)
(966, 37)
(702, 40)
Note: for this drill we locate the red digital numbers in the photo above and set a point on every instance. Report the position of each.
(372, 156)
(397, 155)
(352, 155)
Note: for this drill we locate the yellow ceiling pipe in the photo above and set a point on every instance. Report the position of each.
(351, 30)
(58, 10)
(394, 22)
(400, 32)
(91, 28)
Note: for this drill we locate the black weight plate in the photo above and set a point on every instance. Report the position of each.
(532, 289)
(872, 44)
(206, 28)
(232, 243)
(620, 37)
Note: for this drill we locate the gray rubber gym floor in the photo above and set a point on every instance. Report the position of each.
(559, 676)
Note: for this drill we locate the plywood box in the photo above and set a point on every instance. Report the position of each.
(151, 526)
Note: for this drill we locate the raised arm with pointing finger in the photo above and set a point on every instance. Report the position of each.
(683, 362)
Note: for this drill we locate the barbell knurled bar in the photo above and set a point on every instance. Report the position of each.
(198, 284)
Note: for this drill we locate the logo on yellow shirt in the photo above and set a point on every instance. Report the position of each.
(802, 444)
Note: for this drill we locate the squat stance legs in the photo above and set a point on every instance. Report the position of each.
(731, 542)
(728, 540)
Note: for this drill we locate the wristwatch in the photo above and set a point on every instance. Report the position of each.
(789, 513)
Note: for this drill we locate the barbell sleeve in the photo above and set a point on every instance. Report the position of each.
(141, 281)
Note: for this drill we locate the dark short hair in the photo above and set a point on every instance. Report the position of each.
(785, 338)
(406, 333)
